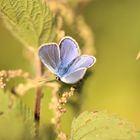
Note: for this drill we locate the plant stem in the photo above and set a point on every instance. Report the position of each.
(38, 104)
(39, 73)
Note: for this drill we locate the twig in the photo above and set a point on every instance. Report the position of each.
(58, 107)
(39, 73)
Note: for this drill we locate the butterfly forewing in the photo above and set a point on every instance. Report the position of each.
(69, 50)
(50, 56)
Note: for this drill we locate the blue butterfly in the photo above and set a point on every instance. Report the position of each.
(65, 61)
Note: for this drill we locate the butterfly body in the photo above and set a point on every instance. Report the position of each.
(65, 60)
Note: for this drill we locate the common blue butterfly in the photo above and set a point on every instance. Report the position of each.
(65, 61)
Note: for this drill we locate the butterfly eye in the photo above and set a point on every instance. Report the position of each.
(58, 78)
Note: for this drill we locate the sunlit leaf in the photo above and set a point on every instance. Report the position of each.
(102, 126)
(30, 20)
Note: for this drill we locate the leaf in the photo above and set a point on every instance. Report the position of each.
(31, 21)
(17, 120)
(102, 126)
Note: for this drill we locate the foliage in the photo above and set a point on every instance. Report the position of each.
(102, 126)
(16, 120)
(30, 20)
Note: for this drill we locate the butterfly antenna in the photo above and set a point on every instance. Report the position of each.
(44, 81)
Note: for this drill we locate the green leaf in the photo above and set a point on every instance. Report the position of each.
(102, 126)
(31, 21)
(17, 121)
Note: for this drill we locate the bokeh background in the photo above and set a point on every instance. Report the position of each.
(114, 83)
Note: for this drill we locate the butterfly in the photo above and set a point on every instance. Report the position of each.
(65, 61)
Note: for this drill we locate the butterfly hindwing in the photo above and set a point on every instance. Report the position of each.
(78, 68)
(83, 61)
(74, 77)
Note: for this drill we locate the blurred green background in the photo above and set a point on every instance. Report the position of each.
(114, 84)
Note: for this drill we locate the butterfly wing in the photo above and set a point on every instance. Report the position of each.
(78, 68)
(83, 61)
(50, 56)
(69, 50)
(74, 77)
